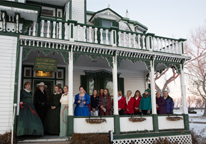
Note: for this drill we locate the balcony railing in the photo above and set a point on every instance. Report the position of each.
(73, 31)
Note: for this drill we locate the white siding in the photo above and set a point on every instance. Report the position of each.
(8, 46)
(133, 81)
(78, 10)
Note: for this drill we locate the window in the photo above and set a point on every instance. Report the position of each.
(109, 85)
(48, 11)
(91, 85)
(106, 23)
(59, 13)
(43, 74)
(60, 74)
(27, 72)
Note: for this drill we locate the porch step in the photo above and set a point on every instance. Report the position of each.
(44, 140)
(58, 142)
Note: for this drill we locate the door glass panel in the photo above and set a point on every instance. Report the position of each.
(109, 85)
(91, 85)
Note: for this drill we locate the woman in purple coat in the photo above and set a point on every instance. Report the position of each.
(160, 103)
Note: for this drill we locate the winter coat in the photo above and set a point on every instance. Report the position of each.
(108, 106)
(161, 103)
(145, 103)
(121, 103)
(169, 105)
(136, 103)
(129, 106)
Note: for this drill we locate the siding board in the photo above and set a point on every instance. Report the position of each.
(8, 47)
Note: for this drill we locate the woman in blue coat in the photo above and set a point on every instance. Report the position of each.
(82, 100)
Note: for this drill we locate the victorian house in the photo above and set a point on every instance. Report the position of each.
(97, 50)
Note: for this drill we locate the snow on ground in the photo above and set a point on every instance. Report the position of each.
(198, 128)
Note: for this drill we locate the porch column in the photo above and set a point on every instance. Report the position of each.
(71, 98)
(153, 97)
(152, 84)
(115, 96)
(19, 79)
(184, 100)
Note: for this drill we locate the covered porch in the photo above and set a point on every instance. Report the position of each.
(79, 56)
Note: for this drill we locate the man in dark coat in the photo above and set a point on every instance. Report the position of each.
(160, 103)
(169, 104)
(41, 100)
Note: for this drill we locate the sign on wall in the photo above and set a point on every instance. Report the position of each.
(45, 64)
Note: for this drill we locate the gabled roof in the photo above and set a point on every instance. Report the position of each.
(105, 10)
(122, 18)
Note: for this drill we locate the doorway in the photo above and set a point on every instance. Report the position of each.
(49, 89)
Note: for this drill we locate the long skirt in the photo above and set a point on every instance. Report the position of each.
(63, 120)
(28, 123)
(52, 121)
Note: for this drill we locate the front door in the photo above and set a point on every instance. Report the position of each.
(49, 90)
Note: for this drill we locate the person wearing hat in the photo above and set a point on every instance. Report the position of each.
(145, 106)
(41, 100)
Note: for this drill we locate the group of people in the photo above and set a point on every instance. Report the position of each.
(138, 104)
(141, 104)
(51, 117)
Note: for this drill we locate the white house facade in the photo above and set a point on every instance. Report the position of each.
(94, 49)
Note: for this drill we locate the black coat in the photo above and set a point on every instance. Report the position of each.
(41, 103)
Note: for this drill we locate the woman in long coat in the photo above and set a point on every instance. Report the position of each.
(29, 122)
(52, 118)
(41, 100)
(82, 100)
(160, 104)
(106, 103)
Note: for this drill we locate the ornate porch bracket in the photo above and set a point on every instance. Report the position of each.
(46, 52)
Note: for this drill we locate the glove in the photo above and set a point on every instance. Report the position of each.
(148, 111)
(140, 110)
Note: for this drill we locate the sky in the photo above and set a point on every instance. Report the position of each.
(168, 18)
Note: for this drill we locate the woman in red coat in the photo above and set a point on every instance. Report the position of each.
(106, 104)
(121, 103)
(137, 99)
(129, 106)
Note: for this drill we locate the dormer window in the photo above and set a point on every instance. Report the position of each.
(46, 11)
(106, 23)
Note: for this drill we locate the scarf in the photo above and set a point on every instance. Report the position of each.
(119, 98)
(146, 96)
(128, 99)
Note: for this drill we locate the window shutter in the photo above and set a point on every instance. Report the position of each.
(97, 22)
(121, 85)
(115, 24)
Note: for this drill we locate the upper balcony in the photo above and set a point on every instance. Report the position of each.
(31, 24)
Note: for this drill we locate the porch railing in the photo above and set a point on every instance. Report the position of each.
(73, 31)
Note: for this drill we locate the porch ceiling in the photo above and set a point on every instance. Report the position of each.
(99, 62)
